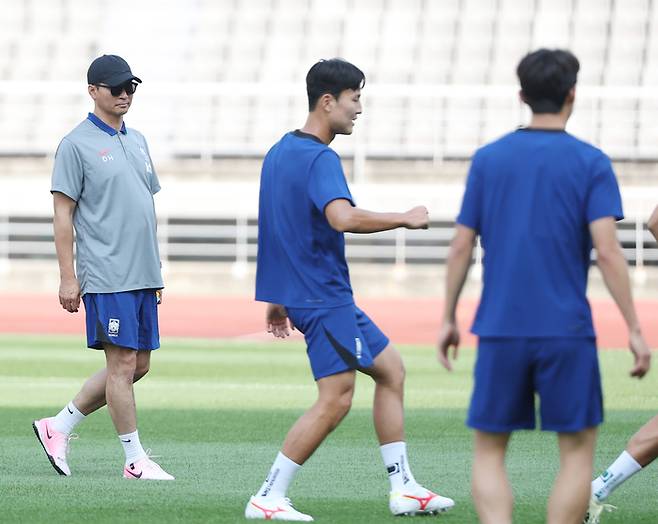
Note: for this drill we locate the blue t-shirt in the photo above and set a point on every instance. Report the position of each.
(531, 196)
(301, 258)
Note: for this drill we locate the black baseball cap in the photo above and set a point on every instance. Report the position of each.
(111, 70)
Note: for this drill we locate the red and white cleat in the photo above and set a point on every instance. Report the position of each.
(274, 508)
(418, 501)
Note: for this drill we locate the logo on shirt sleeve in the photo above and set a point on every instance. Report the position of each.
(113, 327)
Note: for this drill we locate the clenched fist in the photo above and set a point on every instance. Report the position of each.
(417, 218)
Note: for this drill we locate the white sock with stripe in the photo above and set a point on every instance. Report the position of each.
(279, 478)
(397, 465)
(619, 472)
(67, 419)
(132, 447)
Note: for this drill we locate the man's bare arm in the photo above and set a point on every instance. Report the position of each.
(344, 217)
(611, 262)
(69, 289)
(459, 261)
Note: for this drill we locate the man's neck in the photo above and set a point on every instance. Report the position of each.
(114, 121)
(557, 121)
(315, 127)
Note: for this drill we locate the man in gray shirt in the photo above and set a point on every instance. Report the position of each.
(103, 185)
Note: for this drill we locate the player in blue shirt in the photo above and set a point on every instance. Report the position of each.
(305, 207)
(641, 450)
(539, 199)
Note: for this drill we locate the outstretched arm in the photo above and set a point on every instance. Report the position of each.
(611, 262)
(459, 261)
(342, 216)
(69, 288)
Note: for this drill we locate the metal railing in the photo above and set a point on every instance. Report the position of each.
(234, 240)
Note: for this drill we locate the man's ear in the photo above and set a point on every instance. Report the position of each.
(327, 102)
(571, 95)
(93, 91)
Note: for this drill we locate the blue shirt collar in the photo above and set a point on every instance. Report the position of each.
(104, 127)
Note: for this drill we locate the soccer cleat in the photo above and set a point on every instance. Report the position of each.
(593, 515)
(418, 501)
(54, 443)
(274, 508)
(145, 469)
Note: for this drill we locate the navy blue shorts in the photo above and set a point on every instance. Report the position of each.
(128, 319)
(338, 339)
(562, 372)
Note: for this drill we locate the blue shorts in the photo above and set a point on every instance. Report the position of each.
(128, 319)
(338, 339)
(562, 372)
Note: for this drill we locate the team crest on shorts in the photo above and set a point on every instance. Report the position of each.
(113, 327)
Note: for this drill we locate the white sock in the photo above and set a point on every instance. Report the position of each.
(67, 419)
(132, 447)
(619, 472)
(397, 465)
(279, 478)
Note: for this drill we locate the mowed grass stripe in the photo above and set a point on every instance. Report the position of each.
(48, 370)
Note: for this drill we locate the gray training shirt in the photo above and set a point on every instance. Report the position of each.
(110, 175)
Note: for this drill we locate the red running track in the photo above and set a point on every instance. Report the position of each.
(405, 321)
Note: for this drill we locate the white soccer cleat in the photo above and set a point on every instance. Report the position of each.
(418, 501)
(145, 469)
(274, 508)
(593, 515)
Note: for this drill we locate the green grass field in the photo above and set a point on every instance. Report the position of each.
(216, 413)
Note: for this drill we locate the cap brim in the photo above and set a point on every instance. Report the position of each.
(121, 78)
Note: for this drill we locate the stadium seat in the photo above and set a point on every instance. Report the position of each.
(408, 42)
(618, 131)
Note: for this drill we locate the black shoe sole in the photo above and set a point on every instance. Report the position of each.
(423, 513)
(52, 460)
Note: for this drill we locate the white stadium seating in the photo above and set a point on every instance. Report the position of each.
(196, 56)
(223, 79)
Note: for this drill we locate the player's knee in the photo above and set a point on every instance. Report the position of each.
(122, 364)
(394, 376)
(336, 407)
(344, 403)
(399, 374)
(340, 409)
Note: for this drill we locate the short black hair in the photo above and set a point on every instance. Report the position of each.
(332, 76)
(547, 76)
